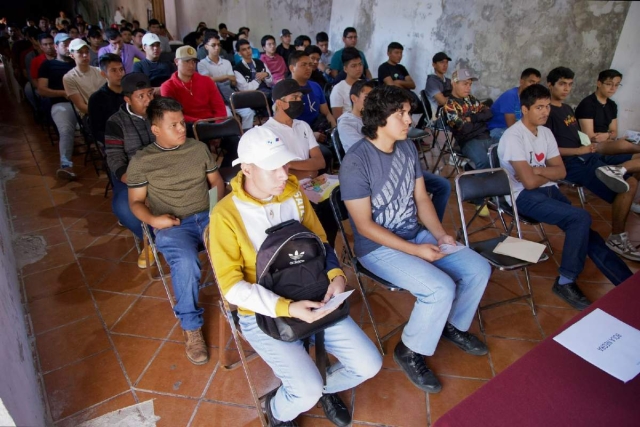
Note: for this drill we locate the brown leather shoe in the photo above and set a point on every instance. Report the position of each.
(196, 348)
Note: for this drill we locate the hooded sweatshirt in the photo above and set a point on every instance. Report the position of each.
(236, 232)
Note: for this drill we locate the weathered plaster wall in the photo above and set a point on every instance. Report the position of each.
(92, 10)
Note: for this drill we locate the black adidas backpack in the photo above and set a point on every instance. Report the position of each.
(291, 264)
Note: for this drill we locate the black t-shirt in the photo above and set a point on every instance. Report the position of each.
(102, 105)
(601, 114)
(564, 126)
(396, 72)
(284, 52)
(54, 70)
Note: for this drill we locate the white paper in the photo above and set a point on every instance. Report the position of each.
(450, 249)
(605, 342)
(334, 301)
(520, 249)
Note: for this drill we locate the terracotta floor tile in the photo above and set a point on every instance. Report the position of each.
(147, 317)
(70, 343)
(69, 217)
(77, 201)
(86, 383)
(390, 307)
(80, 240)
(512, 321)
(126, 278)
(502, 285)
(171, 372)
(27, 194)
(56, 256)
(112, 306)
(543, 295)
(173, 411)
(591, 273)
(450, 360)
(95, 269)
(392, 391)
(57, 310)
(110, 247)
(210, 329)
(31, 207)
(313, 421)
(504, 352)
(96, 223)
(30, 224)
(232, 385)
(225, 415)
(551, 318)
(156, 289)
(135, 353)
(454, 390)
(594, 291)
(547, 268)
(16, 186)
(52, 236)
(122, 401)
(54, 281)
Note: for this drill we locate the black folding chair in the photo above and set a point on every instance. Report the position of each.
(92, 152)
(254, 99)
(337, 145)
(483, 184)
(216, 129)
(341, 215)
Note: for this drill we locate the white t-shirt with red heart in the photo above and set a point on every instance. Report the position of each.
(518, 143)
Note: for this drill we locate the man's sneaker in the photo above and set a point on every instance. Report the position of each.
(142, 258)
(613, 177)
(484, 212)
(620, 244)
(469, 343)
(196, 348)
(416, 369)
(335, 409)
(572, 294)
(273, 421)
(66, 173)
(635, 207)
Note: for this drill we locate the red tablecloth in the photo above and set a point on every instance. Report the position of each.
(551, 386)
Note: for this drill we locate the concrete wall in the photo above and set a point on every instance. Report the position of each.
(19, 389)
(93, 10)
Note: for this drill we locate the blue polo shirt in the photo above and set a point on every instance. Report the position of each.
(312, 102)
(507, 103)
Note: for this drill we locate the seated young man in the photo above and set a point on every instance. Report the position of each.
(506, 109)
(221, 72)
(83, 80)
(127, 132)
(350, 131)
(285, 48)
(263, 195)
(350, 40)
(339, 98)
(274, 62)
(302, 42)
(438, 87)
(587, 167)
(107, 100)
(533, 179)
(169, 184)
(127, 52)
(157, 70)
(398, 237)
(251, 74)
(322, 41)
(315, 53)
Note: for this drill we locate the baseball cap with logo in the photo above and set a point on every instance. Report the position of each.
(440, 56)
(149, 39)
(464, 74)
(61, 37)
(77, 44)
(287, 87)
(285, 32)
(186, 52)
(135, 81)
(261, 147)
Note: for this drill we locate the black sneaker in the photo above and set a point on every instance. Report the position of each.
(335, 409)
(273, 421)
(416, 369)
(467, 342)
(572, 294)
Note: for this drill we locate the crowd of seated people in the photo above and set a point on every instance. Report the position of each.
(140, 107)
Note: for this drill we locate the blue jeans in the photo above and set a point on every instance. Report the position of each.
(448, 289)
(476, 151)
(180, 246)
(358, 360)
(120, 207)
(440, 189)
(581, 170)
(496, 133)
(550, 206)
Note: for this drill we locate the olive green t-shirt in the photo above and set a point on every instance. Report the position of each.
(176, 179)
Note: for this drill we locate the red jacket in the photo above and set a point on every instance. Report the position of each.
(200, 98)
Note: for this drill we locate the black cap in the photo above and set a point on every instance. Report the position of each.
(440, 56)
(285, 32)
(287, 87)
(135, 81)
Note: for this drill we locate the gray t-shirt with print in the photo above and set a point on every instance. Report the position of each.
(389, 180)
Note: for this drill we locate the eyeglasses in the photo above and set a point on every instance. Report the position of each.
(213, 44)
(611, 84)
(351, 37)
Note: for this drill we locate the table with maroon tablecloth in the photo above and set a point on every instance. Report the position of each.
(551, 386)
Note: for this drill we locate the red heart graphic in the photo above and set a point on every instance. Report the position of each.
(540, 157)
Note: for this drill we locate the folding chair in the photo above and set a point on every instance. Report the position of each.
(91, 154)
(337, 145)
(503, 208)
(341, 215)
(217, 128)
(254, 99)
(578, 188)
(327, 93)
(492, 183)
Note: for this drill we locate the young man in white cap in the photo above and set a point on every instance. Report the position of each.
(50, 86)
(83, 80)
(263, 195)
(157, 71)
(169, 184)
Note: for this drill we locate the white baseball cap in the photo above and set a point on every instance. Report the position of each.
(77, 44)
(261, 147)
(149, 39)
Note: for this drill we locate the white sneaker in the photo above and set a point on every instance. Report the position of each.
(620, 244)
(613, 177)
(635, 207)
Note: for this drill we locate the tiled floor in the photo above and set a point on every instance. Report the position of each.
(105, 337)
